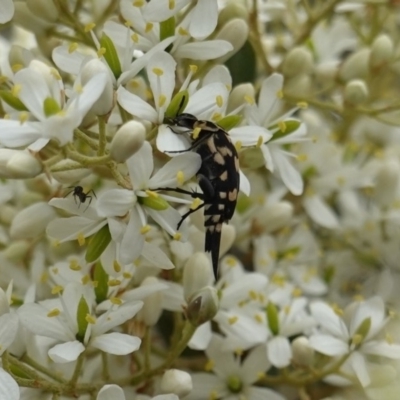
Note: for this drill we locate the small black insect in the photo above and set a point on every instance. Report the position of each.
(218, 176)
(78, 192)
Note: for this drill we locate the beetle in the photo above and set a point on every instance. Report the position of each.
(218, 176)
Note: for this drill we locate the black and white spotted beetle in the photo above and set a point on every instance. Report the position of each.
(218, 176)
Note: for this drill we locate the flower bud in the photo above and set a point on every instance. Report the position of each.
(152, 304)
(356, 92)
(233, 9)
(298, 85)
(17, 250)
(104, 104)
(18, 164)
(197, 274)
(176, 382)
(228, 236)
(240, 93)
(381, 51)
(355, 66)
(235, 32)
(203, 306)
(127, 141)
(19, 57)
(297, 62)
(7, 214)
(275, 216)
(32, 221)
(387, 182)
(302, 353)
(43, 9)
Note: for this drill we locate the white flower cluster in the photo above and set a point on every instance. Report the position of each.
(102, 287)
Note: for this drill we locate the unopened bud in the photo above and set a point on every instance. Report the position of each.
(228, 236)
(17, 250)
(104, 104)
(19, 57)
(297, 62)
(127, 141)
(298, 85)
(240, 93)
(152, 304)
(235, 32)
(302, 353)
(232, 10)
(7, 213)
(381, 51)
(356, 92)
(387, 183)
(197, 274)
(203, 306)
(275, 216)
(355, 66)
(43, 9)
(18, 164)
(32, 221)
(176, 382)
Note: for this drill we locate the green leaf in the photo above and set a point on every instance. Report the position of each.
(82, 312)
(50, 107)
(167, 28)
(111, 55)
(97, 244)
(272, 317)
(229, 122)
(242, 65)
(285, 128)
(12, 100)
(101, 278)
(177, 104)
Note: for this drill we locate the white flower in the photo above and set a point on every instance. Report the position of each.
(9, 389)
(232, 379)
(355, 336)
(71, 323)
(41, 91)
(137, 202)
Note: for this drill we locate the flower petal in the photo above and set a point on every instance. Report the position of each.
(8, 330)
(329, 345)
(66, 352)
(111, 392)
(9, 389)
(115, 202)
(140, 166)
(116, 343)
(204, 19)
(205, 50)
(279, 351)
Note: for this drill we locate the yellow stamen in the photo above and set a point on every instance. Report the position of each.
(219, 100)
(53, 313)
(260, 141)
(44, 278)
(128, 23)
(238, 145)
(183, 32)
(216, 116)
(114, 282)
(117, 267)
(127, 275)
(72, 47)
(23, 117)
(101, 51)
(115, 300)
(88, 27)
(144, 229)
(302, 104)
(138, 3)
(196, 202)
(209, 365)
(302, 157)
(158, 71)
(231, 261)
(193, 68)
(282, 126)
(279, 94)
(252, 295)
(78, 88)
(297, 292)
(149, 27)
(232, 320)
(177, 236)
(152, 194)
(74, 265)
(81, 239)
(135, 38)
(180, 177)
(89, 318)
(85, 279)
(16, 67)
(16, 90)
(57, 289)
(258, 318)
(171, 4)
